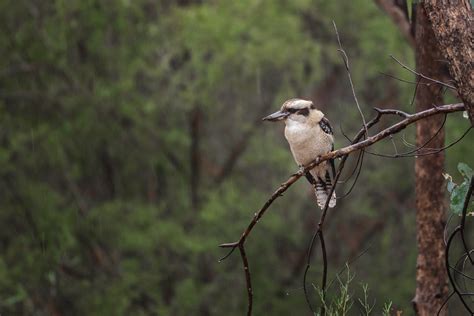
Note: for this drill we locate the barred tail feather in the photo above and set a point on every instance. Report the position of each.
(322, 189)
(332, 202)
(321, 194)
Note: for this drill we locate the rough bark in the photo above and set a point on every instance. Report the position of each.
(453, 24)
(431, 279)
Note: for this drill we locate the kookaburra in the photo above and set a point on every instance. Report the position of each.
(310, 135)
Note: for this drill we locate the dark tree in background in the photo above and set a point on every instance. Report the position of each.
(431, 278)
(132, 144)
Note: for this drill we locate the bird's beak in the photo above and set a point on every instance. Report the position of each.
(277, 116)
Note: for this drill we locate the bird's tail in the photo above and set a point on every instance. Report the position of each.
(322, 190)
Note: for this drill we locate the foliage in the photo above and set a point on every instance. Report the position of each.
(458, 192)
(342, 301)
(113, 112)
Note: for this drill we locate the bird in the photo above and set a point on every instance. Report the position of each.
(309, 135)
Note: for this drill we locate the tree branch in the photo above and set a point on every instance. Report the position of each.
(344, 153)
(449, 108)
(422, 75)
(346, 63)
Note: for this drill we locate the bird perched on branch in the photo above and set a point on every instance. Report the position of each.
(310, 135)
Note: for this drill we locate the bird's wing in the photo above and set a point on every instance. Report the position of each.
(326, 127)
(310, 178)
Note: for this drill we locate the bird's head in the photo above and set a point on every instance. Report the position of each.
(298, 110)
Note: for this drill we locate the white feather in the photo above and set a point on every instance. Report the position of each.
(307, 141)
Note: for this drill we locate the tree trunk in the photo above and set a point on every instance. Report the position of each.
(453, 24)
(431, 278)
(195, 155)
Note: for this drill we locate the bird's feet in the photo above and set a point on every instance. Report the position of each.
(301, 170)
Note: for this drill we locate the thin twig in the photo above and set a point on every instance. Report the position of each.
(306, 269)
(392, 111)
(359, 170)
(413, 98)
(463, 218)
(430, 151)
(346, 63)
(347, 265)
(325, 268)
(404, 80)
(405, 154)
(394, 145)
(444, 303)
(342, 152)
(460, 229)
(448, 247)
(422, 75)
(248, 279)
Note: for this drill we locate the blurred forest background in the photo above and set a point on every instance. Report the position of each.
(131, 146)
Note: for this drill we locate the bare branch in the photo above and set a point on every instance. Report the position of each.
(429, 151)
(422, 75)
(248, 280)
(449, 108)
(403, 80)
(346, 63)
(390, 111)
(344, 153)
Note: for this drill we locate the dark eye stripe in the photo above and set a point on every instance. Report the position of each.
(304, 112)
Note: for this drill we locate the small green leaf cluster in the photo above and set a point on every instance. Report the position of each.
(458, 192)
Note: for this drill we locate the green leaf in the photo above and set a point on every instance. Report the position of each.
(465, 170)
(451, 185)
(458, 195)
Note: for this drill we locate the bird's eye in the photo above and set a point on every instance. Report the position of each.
(290, 110)
(304, 112)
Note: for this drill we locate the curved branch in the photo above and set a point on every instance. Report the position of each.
(449, 108)
(344, 153)
(460, 229)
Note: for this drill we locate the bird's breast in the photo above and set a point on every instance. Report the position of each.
(306, 143)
